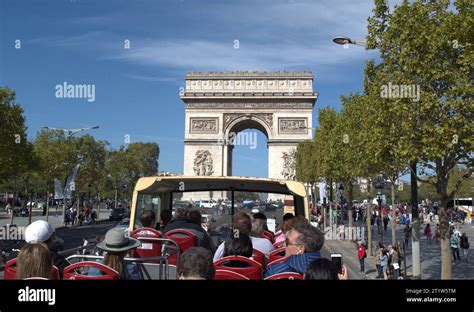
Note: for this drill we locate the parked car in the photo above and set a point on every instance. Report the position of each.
(123, 224)
(119, 214)
(208, 203)
(21, 212)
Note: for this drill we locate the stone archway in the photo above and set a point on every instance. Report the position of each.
(218, 104)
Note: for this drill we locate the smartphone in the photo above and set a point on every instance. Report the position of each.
(337, 260)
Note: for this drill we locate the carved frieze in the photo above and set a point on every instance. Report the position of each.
(203, 125)
(242, 104)
(293, 125)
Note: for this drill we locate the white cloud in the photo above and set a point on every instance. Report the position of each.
(212, 55)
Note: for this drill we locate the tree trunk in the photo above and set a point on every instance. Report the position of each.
(368, 217)
(394, 218)
(445, 239)
(349, 207)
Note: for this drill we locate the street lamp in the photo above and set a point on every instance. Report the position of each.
(72, 131)
(343, 40)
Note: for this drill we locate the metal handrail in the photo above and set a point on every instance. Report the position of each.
(163, 260)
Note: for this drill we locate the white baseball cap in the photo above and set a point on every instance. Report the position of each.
(38, 232)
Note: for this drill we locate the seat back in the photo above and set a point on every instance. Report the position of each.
(10, 271)
(269, 235)
(149, 247)
(252, 272)
(70, 273)
(285, 276)
(229, 275)
(277, 254)
(279, 260)
(184, 239)
(259, 256)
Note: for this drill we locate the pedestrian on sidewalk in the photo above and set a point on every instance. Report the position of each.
(361, 254)
(394, 262)
(455, 246)
(384, 263)
(8, 208)
(465, 246)
(378, 253)
(428, 232)
(437, 235)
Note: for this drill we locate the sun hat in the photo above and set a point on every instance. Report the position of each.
(117, 241)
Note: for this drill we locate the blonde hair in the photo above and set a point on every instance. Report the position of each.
(34, 260)
(116, 261)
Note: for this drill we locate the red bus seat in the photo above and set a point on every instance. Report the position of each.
(10, 271)
(184, 239)
(70, 274)
(269, 235)
(252, 272)
(150, 247)
(259, 257)
(229, 275)
(285, 276)
(277, 254)
(279, 260)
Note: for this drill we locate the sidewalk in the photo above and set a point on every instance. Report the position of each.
(54, 217)
(348, 250)
(430, 254)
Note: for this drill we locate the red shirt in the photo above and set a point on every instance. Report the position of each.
(361, 251)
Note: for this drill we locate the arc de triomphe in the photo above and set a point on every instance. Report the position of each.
(221, 104)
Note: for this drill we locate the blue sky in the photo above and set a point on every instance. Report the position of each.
(137, 89)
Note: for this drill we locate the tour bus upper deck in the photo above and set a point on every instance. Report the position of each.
(159, 193)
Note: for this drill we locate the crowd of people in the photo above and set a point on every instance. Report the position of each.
(302, 243)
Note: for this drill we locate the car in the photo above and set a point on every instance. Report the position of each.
(123, 224)
(118, 214)
(207, 204)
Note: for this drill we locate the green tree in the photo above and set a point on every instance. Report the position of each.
(13, 141)
(428, 45)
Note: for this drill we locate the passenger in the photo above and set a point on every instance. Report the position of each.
(324, 269)
(195, 217)
(116, 245)
(34, 260)
(196, 264)
(148, 219)
(303, 245)
(287, 225)
(238, 245)
(165, 218)
(181, 221)
(242, 224)
(258, 226)
(263, 217)
(42, 232)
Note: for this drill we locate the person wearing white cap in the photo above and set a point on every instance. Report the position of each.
(42, 232)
